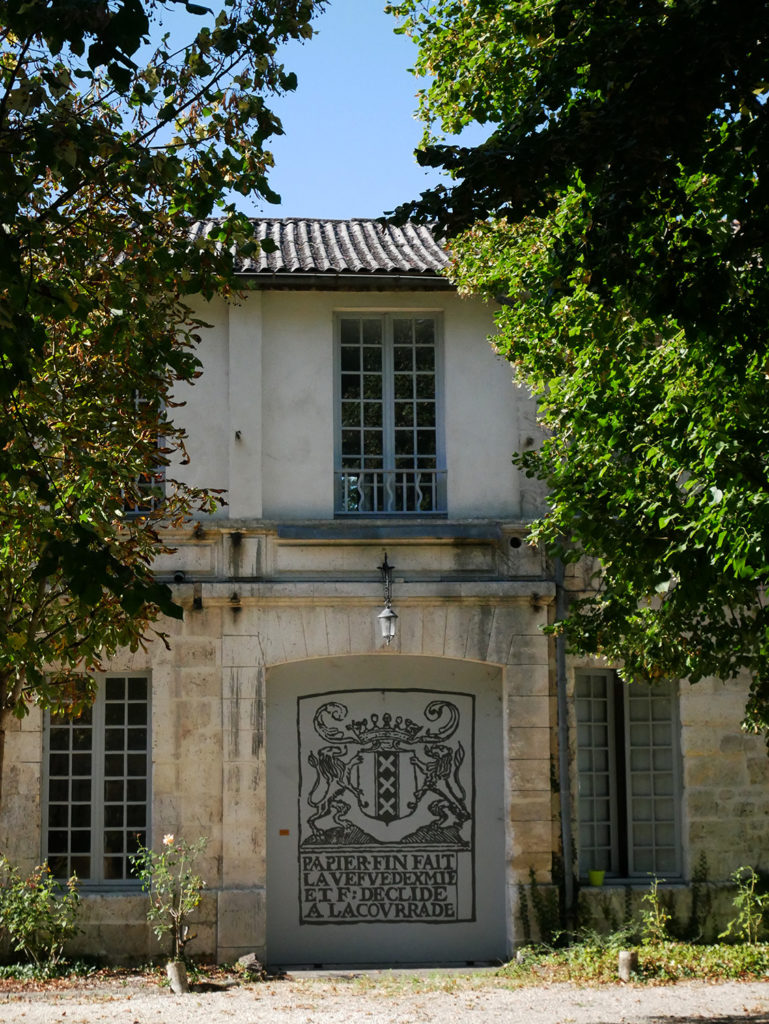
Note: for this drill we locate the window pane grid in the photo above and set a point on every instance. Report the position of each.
(68, 821)
(653, 822)
(362, 440)
(627, 763)
(149, 487)
(97, 783)
(596, 785)
(388, 438)
(125, 734)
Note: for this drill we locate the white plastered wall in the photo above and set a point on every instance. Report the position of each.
(269, 360)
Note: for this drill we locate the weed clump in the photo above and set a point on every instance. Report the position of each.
(590, 957)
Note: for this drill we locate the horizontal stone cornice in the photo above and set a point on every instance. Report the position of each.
(336, 593)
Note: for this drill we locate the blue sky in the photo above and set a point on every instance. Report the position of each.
(350, 126)
(350, 130)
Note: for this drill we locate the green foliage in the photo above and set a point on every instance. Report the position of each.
(46, 971)
(109, 150)
(618, 213)
(751, 903)
(594, 959)
(702, 899)
(591, 956)
(655, 917)
(543, 905)
(174, 888)
(38, 913)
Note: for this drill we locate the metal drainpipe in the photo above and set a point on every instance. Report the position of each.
(564, 777)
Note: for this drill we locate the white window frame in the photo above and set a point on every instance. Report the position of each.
(622, 784)
(435, 479)
(99, 826)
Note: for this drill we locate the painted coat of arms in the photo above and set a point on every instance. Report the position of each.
(386, 805)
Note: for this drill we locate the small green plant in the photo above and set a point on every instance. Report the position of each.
(47, 971)
(702, 900)
(655, 917)
(173, 887)
(523, 912)
(751, 905)
(592, 959)
(38, 912)
(545, 907)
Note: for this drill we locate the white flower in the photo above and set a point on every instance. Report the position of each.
(168, 839)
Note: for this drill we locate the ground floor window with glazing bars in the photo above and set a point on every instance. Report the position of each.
(96, 783)
(629, 778)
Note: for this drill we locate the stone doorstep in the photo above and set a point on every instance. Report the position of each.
(420, 970)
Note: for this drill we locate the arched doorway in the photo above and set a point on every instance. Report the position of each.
(385, 811)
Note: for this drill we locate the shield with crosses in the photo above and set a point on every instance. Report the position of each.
(383, 776)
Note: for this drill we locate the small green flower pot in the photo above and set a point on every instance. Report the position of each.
(596, 877)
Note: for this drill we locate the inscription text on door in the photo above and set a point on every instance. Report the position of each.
(386, 807)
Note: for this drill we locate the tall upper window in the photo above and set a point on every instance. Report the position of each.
(96, 798)
(389, 440)
(629, 782)
(148, 491)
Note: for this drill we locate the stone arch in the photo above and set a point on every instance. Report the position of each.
(502, 635)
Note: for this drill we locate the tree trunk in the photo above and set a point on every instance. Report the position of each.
(4, 713)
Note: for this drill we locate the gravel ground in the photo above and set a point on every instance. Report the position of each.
(373, 998)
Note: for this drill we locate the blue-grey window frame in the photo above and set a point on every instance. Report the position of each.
(387, 316)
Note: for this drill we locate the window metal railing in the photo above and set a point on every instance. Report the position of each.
(390, 491)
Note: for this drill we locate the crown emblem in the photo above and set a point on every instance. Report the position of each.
(387, 732)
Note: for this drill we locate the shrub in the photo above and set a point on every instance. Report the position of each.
(38, 912)
(174, 890)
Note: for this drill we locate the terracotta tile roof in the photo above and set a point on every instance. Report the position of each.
(359, 247)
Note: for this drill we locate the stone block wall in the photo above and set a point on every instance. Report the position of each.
(697, 912)
(21, 790)
(725, 780)
(724, 814)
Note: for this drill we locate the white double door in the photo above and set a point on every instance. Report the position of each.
(385, 834)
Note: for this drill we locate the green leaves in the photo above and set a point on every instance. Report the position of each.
(174, 889)
(618, 213)
(38, 913)
(97, 262)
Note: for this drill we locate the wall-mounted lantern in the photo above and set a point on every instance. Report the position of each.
(387, 617)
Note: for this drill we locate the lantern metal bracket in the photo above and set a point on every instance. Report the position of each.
(387, 617)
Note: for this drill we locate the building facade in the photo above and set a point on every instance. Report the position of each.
(369, 801)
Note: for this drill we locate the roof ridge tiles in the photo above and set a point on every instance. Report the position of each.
(379, 240)
(342, 248)
(318, 255)
(290, 249)
(354, 245)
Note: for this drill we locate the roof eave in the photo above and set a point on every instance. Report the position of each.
(340, 281)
